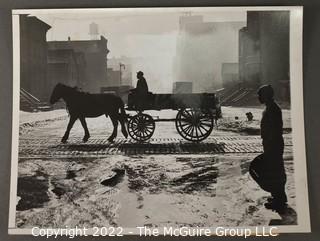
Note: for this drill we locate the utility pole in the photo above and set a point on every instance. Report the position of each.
(120, 68)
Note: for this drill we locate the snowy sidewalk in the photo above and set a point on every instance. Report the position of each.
(32, 117)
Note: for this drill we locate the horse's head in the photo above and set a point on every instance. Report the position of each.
(57, 93)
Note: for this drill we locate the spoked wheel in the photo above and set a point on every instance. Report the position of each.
(194, 124)
(141, 127)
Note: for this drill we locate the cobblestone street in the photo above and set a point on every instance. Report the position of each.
(44, 141)
(99, 147)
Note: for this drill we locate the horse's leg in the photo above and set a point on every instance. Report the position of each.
(123, 126)
(86, 131)
(122, 117)
(115, 127)
(70, 125)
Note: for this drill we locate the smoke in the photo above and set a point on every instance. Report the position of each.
(195, 55)
(201, 51)
(154, 56)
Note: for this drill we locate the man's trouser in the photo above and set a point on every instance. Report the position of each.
(268, 171)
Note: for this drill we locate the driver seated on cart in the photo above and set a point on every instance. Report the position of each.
(139, 95)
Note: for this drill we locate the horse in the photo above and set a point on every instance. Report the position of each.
(81, 105)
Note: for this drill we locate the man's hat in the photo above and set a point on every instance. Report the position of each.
(140, 73)
(266, 90)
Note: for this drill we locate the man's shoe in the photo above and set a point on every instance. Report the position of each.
(276, 206)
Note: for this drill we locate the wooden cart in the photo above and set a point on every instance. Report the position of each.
(195, 119)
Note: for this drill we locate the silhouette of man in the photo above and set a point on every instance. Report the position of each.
(267, 169)
(140, 93)
(142, 86)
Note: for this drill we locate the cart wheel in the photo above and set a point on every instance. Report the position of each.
(141, 127)
(194, 125)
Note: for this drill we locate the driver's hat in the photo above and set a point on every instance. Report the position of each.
(139, 73)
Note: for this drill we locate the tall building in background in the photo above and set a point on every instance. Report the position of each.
(249, 60)
(230, 75)
(94, 54)
(202, 48)
(182, 88)
(94, 31)
(33, 57)
(116, 78)
(264, 51)
(119, 77)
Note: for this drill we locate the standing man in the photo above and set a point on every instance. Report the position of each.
(268, 168)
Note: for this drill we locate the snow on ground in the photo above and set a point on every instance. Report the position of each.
(30, 117)
(154, 191)
(242, 125)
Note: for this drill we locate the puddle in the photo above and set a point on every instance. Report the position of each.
(128, 214)
(33, 191)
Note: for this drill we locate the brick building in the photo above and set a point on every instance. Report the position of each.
(92, 58)
(33, 57)
(67, 67)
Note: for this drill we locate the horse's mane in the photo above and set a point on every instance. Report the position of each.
(74, 89)
(70, 91)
